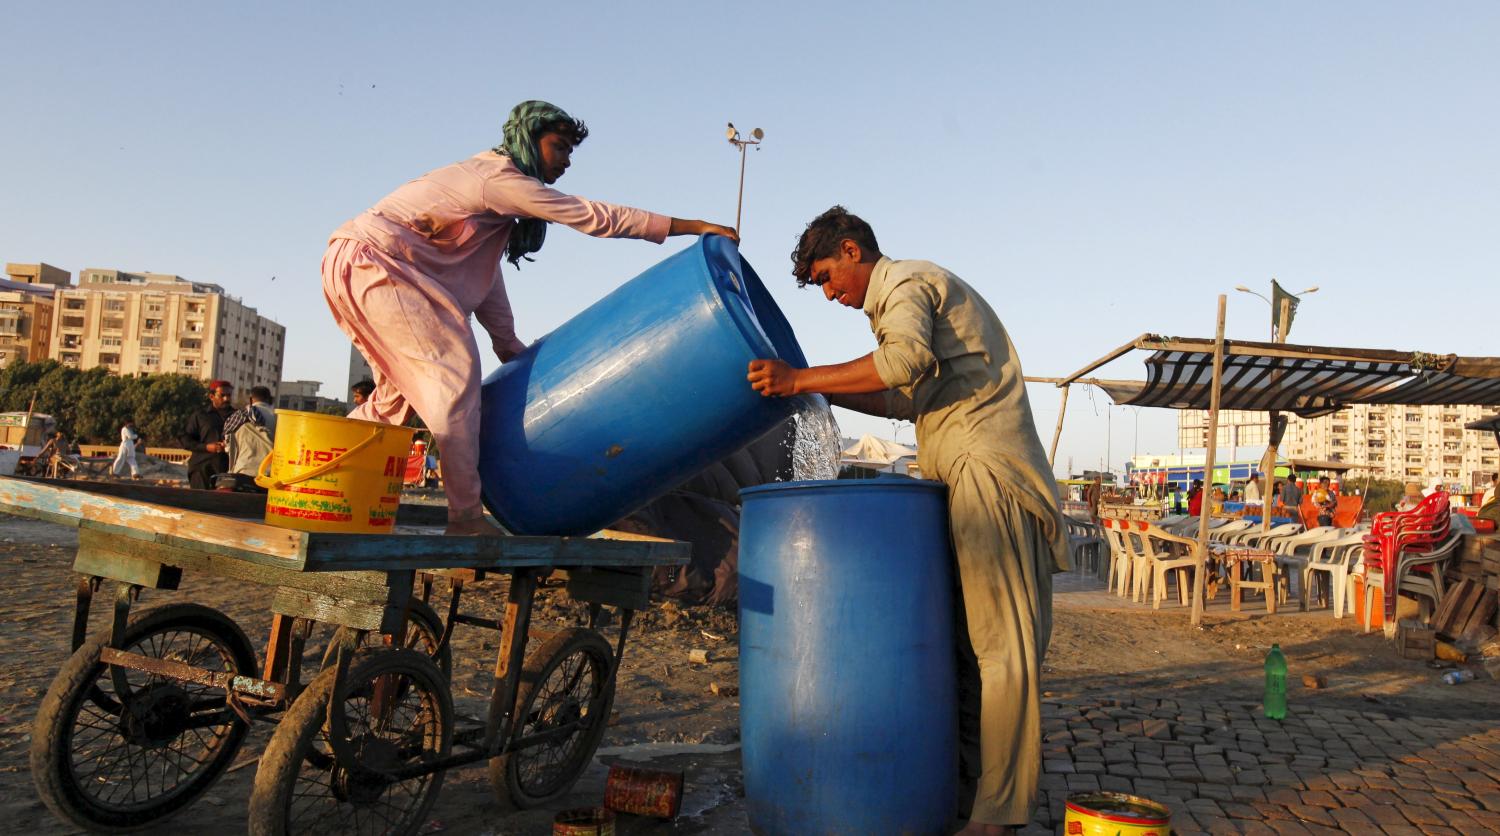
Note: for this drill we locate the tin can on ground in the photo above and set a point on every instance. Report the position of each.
(644, 792)
(585, 821)
(1115, 814)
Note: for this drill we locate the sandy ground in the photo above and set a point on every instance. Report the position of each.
(668, 715)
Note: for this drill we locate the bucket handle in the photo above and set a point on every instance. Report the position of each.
(263, 475)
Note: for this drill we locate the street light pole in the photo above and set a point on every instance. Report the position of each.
(734, 139)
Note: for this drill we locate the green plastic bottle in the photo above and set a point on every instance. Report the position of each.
(1275, 703)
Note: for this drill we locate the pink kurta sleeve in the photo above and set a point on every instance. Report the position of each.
(512, 193)
(495, 316)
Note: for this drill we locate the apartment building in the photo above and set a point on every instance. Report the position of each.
(1396, 442)
(25, 321)
(135, 323)
(27, 295)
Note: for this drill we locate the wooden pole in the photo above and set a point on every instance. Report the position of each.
(1204, 508)
(1057, 433)
(1268, 464)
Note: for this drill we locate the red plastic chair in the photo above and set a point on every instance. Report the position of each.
(1398, 536)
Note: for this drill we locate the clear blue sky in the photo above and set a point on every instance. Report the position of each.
(1097, 170)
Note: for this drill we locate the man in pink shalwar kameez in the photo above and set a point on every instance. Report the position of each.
(403, 277)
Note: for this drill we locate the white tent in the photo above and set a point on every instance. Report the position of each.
(874, 452)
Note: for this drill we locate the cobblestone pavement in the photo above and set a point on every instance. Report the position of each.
(1223, 768)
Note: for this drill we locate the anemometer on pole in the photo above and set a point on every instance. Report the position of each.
(734, 139)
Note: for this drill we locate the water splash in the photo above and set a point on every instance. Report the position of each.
(815, 448)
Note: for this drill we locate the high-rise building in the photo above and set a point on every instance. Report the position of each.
(1423, 443)
(152, 322)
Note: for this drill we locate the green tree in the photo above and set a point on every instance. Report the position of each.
(92, 404)
(161, 404)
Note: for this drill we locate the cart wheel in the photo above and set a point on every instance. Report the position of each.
(424, 629)
(113, 762)
(301, 787)
(564, 685)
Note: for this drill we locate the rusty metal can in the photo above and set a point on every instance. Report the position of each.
(585, 821)
(644, 792)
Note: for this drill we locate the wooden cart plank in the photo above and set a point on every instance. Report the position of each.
(246, 506)
(417, 551)
(298, 551)
(365, 586)
(327, 609)
(64, 504)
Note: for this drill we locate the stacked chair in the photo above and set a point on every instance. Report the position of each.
(1404, 552)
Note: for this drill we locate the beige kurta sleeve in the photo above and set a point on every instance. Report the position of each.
(903, 330)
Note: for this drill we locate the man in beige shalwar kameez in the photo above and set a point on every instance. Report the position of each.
(945, 361)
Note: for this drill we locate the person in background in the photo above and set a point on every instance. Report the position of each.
(403, 278)
(1291, 497)
(1489, 504)
(944, 359)
(125, 456)
(1437, 485)
(1177, 506)
(1195, 499)
(204, 437)
(250, 433)
(1252, 488)
(1412, 498)
(54, 461)
(361, 391)
(1325, 500)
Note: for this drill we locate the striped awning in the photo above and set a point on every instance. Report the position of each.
(1308, 380)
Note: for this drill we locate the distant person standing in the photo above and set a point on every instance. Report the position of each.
(1291, 497)
(125, 456)
(1195, 498)
(1252, 488)
(204, 437)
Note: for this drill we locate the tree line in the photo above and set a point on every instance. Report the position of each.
(90, 405)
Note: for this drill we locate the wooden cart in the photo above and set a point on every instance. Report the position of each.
(145, 716)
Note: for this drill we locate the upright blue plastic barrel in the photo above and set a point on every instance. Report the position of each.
(633, 396)
(848, 706)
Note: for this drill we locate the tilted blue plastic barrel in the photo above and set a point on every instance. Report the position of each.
(848, 712)
(633, 396)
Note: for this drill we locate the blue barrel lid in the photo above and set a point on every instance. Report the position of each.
(845, 486)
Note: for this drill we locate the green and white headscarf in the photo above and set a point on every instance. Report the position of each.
(523, 131)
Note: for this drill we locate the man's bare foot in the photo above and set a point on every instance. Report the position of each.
(975, 828)
(475, 527)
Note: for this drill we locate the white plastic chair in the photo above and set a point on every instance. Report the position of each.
(1163, 562)
(1337, 557)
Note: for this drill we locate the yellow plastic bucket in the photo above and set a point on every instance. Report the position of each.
(1115, 814)
(333, 474)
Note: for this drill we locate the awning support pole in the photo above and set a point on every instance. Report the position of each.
(1062, 409)
(1205, 507)
(1268, 464)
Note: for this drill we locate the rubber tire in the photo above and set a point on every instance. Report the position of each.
(539, 666)
(420, 617)
(276, 778)
(51, 732)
